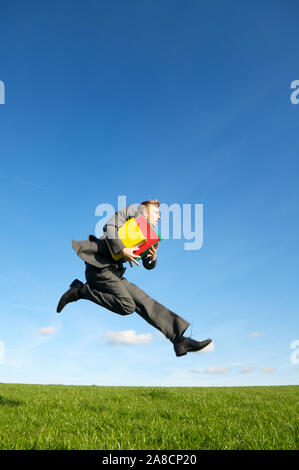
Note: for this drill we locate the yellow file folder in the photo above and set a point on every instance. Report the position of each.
(130, 234)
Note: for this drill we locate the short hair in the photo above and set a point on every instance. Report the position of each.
(145, 204)
(150, 201)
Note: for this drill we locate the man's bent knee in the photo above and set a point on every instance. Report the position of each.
(128, 306)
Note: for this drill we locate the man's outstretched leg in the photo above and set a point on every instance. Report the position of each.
(169, 323)
(109, 286)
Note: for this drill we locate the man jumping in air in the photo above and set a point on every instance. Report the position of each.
(107, 287)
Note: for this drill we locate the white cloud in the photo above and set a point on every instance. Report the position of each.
(254, 334)
(268, 370)
(128, 337)
(46, 331)
(246, 370)
(216, 370)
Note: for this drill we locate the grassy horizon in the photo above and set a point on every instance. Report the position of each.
(56, 417)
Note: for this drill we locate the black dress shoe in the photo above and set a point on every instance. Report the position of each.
(185, 345)
(70, 295)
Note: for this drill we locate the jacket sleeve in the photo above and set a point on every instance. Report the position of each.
(148, 262)
(112, 226)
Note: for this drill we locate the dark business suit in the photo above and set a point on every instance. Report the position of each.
(107, 287)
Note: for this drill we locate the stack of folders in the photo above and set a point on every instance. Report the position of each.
(137, 232)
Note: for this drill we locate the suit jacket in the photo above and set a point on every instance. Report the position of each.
(95, 250)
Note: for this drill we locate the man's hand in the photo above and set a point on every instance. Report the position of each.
(128, 255)
(153, 251)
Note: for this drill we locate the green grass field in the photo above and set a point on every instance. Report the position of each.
(81, 417)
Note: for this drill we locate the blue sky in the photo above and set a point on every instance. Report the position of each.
(187, 102)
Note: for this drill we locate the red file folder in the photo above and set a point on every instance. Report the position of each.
(152, 237)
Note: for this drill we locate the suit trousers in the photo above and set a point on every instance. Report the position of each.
(108, 288)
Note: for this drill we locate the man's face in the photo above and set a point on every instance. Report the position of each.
(153, 214)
